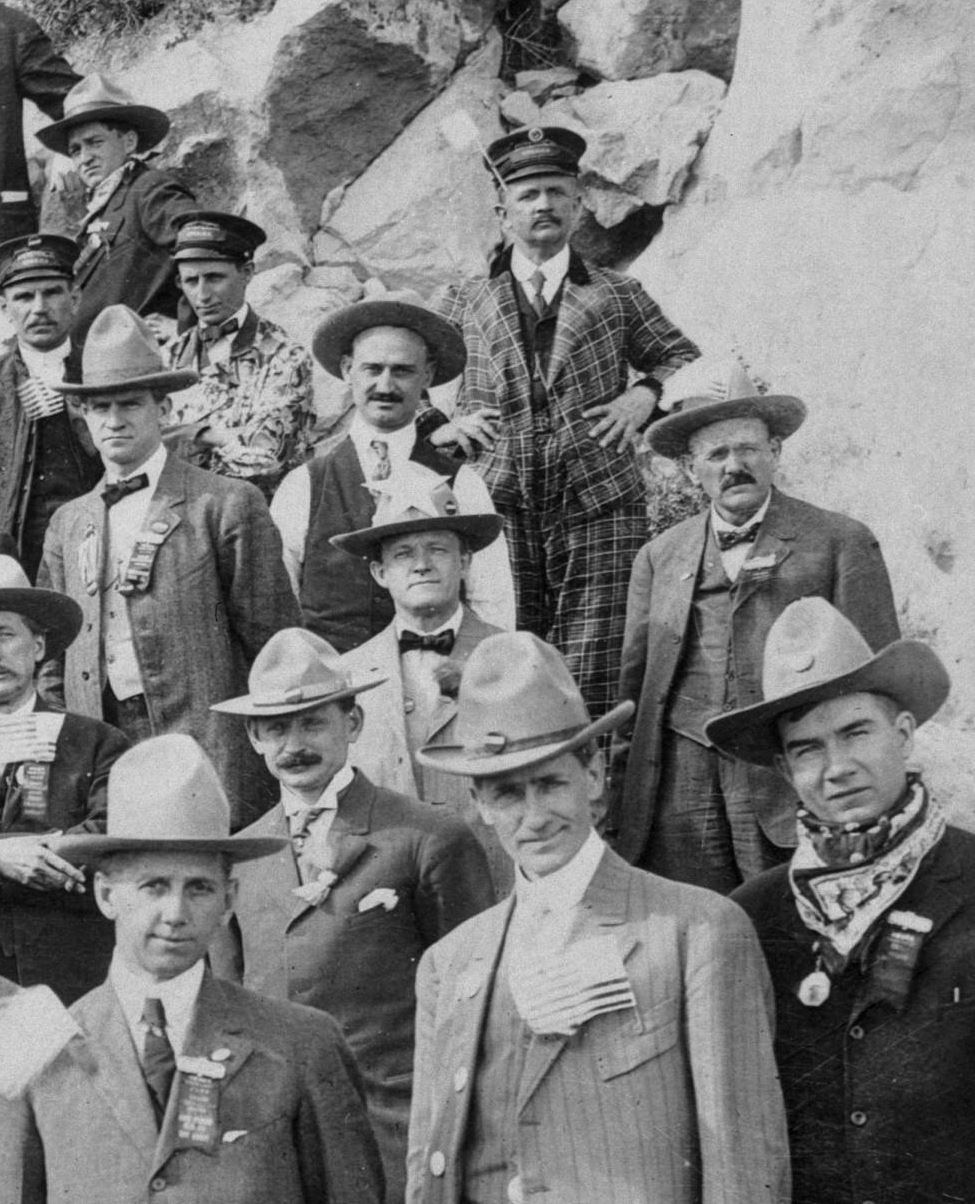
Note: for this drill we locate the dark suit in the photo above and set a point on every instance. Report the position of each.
(677, 1104)
(130, 264)
(880, 1102)
(217, 592)
(55, 937)
(361, 966)
(291, 1125)
(804, 551)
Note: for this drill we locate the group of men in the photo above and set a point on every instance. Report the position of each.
(305, 808)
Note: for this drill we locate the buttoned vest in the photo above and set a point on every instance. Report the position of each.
(339, 599)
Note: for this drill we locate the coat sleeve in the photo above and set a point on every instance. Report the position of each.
(862, 588)
(160, 205)
(656, 347)
(455, 881)
(633, 663)
(106, 750)
(50, 575)
(43, 76)
(425, 1058)
(740, 1114)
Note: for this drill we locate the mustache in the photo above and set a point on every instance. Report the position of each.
(737, 478)
(298, 760)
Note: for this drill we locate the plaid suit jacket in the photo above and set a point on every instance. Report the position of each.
(606, 324)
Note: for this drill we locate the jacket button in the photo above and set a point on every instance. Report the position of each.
(858, 1118)
(157, 1184)
(460, 1079)
(856, 1032)
(85, 675)
(438, 1163)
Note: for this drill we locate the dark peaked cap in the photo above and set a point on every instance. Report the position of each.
(536, 151)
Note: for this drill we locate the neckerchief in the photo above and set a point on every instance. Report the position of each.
(102, 193)
(844, 878)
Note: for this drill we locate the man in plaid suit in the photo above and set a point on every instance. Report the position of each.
(545, 404)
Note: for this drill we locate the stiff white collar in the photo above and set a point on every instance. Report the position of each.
(47, 366)
(294, 804)
(563, 889)
(722, 524)
(400, 443)
(178, 997)
(152, 468)
(554, 269)
(402, 624)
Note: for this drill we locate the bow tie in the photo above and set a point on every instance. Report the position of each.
(729, 539)
(442, 642)
(210, 334)
(119, 489)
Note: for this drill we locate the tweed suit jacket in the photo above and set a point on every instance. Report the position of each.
(908, 1071)
(60, 938)
(383, 751)
(292, 1126)
(606, 324)
(217, 593)
(360, 966)
(804, 552)
(677, 1103)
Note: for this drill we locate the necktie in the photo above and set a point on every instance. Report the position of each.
(158, 1059)
(383, 467)
(442, 642)
(537, 281)
(729, 539)
(210, 334)
(301, 829)
(119, 489)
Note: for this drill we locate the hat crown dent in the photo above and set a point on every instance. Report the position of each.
(120, 346)
(94, 91)
(810, 643)
(295, 666)
(411, 494)
(166, 789)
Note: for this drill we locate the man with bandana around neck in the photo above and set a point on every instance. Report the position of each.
(869, 931)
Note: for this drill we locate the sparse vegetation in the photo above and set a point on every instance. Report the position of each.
(67, 20)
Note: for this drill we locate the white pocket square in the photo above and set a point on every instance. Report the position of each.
(233, 1135)
(382, 896)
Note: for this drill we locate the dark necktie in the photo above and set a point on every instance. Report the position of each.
(537, 298)
(442, 642)
(210, 334)
(119, 489)
(730, 539)
(158, 1059)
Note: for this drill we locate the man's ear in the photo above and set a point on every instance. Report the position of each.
(130, 140)
(378, 571)
(250, 726)
(102, 890)
(345, 366)
(355, 721)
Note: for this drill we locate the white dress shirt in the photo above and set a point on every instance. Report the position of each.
(735, 557)
(554, 270)
(416, 669)
(545, 908)
(48, 365)
(177, 995)
(490, 586)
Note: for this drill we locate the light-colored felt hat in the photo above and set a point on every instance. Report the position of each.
(121, 353)
(95, 98)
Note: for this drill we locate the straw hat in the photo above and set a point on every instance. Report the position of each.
(334, 338)
(164, 796)
(294, 671)
(121, 353)
(814, 653)
(59, 615)
(518, 705)
(94, 98)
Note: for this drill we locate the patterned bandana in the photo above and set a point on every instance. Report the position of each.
(844, 878)
(102, 193)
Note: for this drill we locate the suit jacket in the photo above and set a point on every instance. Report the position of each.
(908, 1073)
(677, 1103)
(383, 751)
(808, 552)
(130, 261)
(58, 938)
(291, 1124)
(360, 965)
(217, 593)
(606, 324)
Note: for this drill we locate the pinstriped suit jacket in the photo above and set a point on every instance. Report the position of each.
(606, 323)
(677, 1104)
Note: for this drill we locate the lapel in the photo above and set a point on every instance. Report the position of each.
(216, 1024)
(774, 543)
(170, 492)
(683, 571)
(385, 706)
(501, 323)
(575, 315)
(471, 632)
(244, 338)
(276, 876)
(346, 841)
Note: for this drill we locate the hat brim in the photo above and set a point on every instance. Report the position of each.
(456, 759)
(783, 415)
(245, 705)
(59, 615)
(151, 125)
(907, 671)
(333, 339)
(478, 531)
(83, 850)
(169, 381)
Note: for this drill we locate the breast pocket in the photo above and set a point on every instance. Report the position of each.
(638, 1039)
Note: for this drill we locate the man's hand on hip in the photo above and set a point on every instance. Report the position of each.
(624, 418)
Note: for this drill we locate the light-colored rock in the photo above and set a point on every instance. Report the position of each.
(518, 108)
(631, 39)
(341, 280)
(828, 237)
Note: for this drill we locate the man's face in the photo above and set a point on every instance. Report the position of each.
(41, 311)
(21, 651)
(126, 427)
(388, 370)
(423, 573)
(305, 751)
(734, 462)
(847, 758)
(539, 214)
(96, 150)
(166, 908)
(214, 288)
(542, 815)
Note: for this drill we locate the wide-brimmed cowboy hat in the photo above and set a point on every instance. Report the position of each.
(57, 614)
(415, 498)
(814, 653)
(95, 98)
(121, 353)
(712, 391)
(164, 796)
(518, 705)
(294, 671)
(334, 338)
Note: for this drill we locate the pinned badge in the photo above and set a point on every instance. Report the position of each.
(814, 989)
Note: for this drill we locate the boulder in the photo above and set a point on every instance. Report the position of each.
(631, 39)
(827, 236)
